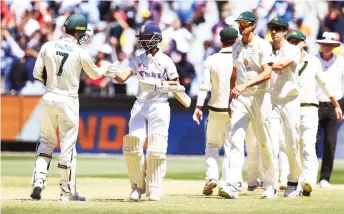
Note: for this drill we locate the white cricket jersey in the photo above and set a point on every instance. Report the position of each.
(310, 77)
(334, 75)
(248, 60)
(63, 60)
(216, 77)
(163, 69)
(284, 83)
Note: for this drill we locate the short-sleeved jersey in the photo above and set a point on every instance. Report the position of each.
(63, 60)
(334, 74)
(145, 68)
(248, 60)
(284, 83)
(216, 77)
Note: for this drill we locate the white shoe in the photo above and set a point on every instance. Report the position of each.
(229, 192)
(135, 195)
(306, 189)
(269, 194)
(209, 187)
(154, 196)
(292, 191)
(324, 184)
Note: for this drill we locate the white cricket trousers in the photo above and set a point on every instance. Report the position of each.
(217, 136)
(286, 117)
(63, 114)
(150, 117)
(309, 128)
(255, 109)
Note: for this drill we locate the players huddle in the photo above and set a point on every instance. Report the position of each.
(262, 100)
(273, 92)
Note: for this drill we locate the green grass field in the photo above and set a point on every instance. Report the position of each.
(103, 180)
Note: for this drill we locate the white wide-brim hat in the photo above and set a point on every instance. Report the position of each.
(329, 38)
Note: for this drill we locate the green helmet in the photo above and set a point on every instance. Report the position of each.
(77, 23)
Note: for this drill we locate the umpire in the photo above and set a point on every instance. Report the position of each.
(329, 116)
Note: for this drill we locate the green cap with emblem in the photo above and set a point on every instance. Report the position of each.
(76, 22)
(295, 34)
(278, 22)
(228, 33)
(246, 16)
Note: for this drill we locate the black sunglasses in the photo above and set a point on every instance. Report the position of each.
(294, 41)
(276, 28)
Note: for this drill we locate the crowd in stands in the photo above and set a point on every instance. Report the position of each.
(190, 34)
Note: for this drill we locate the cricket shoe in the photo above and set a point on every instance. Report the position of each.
(36, 193)
(209, 187)
(135, 195)
(292, 191)
(67, 196)
(229, 191)
(269, 194)
(154, 196)
(324, 184)
(306, 189)
(37, 190)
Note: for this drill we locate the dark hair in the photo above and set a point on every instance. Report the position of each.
(227, 42)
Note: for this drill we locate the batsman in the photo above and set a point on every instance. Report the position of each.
(150, 115)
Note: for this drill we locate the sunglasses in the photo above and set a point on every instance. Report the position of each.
(294, 41)
(244, 24)
(276, 28)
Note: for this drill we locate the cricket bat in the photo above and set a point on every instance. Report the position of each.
(183, 98)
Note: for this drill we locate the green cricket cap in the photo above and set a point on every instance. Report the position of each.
(246, 16)
(228, 33)
(278, 22)
(295, 34)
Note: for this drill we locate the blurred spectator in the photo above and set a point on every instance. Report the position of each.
(11, 53)
(188, 27)
(209, 50)
(101, 85)
(185, 70)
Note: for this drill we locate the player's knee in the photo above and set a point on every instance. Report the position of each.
(131, 145)
(45, 148)
(157, 146)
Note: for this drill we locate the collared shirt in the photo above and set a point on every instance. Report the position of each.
(216, 77)
(284, 83)
(310, 73)
(63, 60)
(248, 60)
(162, 69)
(334, 75)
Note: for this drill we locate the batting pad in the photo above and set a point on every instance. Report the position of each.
(40, 171)
(133, 153)
(156, 163)
(68, 175)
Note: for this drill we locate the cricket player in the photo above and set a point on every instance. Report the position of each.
(286, 101)
(59, 65)
(329, 114)
(310, 75)
(150, 115)
(216, 78)
(249, 102)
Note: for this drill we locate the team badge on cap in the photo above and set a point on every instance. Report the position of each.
(143, 29)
